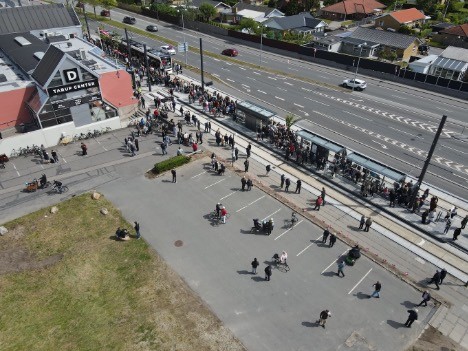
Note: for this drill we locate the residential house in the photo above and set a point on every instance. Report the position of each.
(257, 13)
(369, 42)
(394, 20)
(323, 41)
(423, 65)
(195, 4)
(452, 64)
(351, 9)
(438, 27)
(454, 36)
(303, 23)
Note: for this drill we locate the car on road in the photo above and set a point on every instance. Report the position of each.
(357, 84)
(129, 20)
(152, 28)
(105, 13)
(167, 49)
(230, 52)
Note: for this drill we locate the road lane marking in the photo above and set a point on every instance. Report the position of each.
(271, 214)
(378, 142)
(251, 78)
(306, 89)
(287, 230)
(451, 148)
(287, 83)
(293, 69)
(216, 75)
(230, 80)
(256, 73)
(282, 89)
(305, 249)
(222, 180)
(245, 85)
(298, 105)
(228, 195)
(63, 158)
(279, 98)
(271, 78)
(240, 209)
(19, 175)
(333, 261)
(199, 174)
(318, 102)
(305, 113)
(261, 91)
(228, 63)
(242, 68)
(216, 59)
(359, 282)
(101, 144)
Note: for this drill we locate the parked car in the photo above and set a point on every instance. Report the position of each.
(152, 28)
(168, 49)
(129, 20)
(105, 13)
(357, 84)
(230, 52)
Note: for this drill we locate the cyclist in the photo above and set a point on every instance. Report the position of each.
(283, 257)
(218, 208)
(43, 180)
(293, 219)
(58, 185)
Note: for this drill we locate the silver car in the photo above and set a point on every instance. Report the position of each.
(357, 84)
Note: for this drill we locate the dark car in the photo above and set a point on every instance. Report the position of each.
(152, 28)
(105, 13)
(129, 20)
(230, 52)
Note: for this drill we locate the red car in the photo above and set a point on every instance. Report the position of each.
(105, 13)
(230, 52)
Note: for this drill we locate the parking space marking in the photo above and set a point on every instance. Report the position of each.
(199, 174)
(63, 158)
(219, 181)
(228, 195)
(19, 175)
(240, 209)
(287, 230)
(271, 214)
(333, 262)
(101, 144)
(359, 282)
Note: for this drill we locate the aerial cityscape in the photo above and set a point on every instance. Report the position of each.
(234, 175)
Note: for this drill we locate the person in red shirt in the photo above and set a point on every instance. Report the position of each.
(156, 113)
(194, 147)
(223, 214)
(318, 203)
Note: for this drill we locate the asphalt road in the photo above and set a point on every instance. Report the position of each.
(388, 122)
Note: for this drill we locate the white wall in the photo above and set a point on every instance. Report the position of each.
(51, 136)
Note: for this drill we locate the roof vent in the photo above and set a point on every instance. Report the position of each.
(83, 54)
(39, 55)
(22, 41)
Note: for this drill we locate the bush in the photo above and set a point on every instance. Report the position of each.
(170, 163)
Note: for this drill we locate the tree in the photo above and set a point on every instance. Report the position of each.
(404, 29)
(290, 120)
(108, 4)
(93, 3)
(311, 4)
(248, 23)
(207, 11)
(293, 7)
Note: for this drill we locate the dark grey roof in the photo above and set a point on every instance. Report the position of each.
(27, 18)
(356, 41)
(386, 38)
(47, 65)
(303, 21)
(23, 56)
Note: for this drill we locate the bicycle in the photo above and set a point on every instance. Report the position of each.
(282, 266)
(291, 222)
(59, 188)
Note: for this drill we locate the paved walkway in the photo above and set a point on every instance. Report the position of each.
(389, 243)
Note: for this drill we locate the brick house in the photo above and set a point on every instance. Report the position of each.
(351, 9)
(394, 20)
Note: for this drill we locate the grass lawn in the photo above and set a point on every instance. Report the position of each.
(66, 284)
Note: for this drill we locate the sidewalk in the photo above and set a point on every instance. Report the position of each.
(388, 243)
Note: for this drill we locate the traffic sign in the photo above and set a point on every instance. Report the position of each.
(182, 47)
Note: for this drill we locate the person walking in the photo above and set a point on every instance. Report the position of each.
(268, 169)
(268, 273)
(341, 266)
(413, 316)
(246, 166)
(298, 186)
(443, 274)
(287, 184)
(435, 279)
(323, 318)
(164, 148)
(174, 175)
(248, 150)
(377, 287)
(369, 222)
(84, 149)
(323, 194)
(254, 266)
(318, 203)
(326, 233)
(425, 298)
(249, 184)
(54, 156)
(448, 224)
(236, 153)
(453, 212)
(464, 222)
(282, 181)
(362, 222)
(243, 182)
(137, 144)
(137, 229)
(132, 148)
(223, 215)
(332, 240)
(456, 233)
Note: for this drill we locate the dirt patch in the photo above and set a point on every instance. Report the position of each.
(18, 259)
(434, 340)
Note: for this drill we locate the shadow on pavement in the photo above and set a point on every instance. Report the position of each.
(329, 274)
(310, 324)
(244, 272)
(395, 324)
(362, 296)
(408, 304)
(258, 279)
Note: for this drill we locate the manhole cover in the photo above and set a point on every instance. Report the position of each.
(178, 243)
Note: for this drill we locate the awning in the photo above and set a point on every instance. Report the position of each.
(314, 139)
(255, 110)
(376, 167)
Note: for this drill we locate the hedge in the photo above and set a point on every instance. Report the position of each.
(170, 163)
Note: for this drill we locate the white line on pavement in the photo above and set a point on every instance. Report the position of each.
(63, 158)
(261, 91)
(19, 175)
(287, 230)
(271, 78)
(101, 144)
(292, 69)
(271, 214)
(240, 209)
(256, 73)
(359, 282)
(279, 98)
(216, 59)
(244, 85)
(250, 78)
(219, 181)
(214, 74)
(307, 247)
(306, 89)
(228, 63)
(298, 105)
(282, 89)
(421, 243)
(287, 83)
(230, 80)
(242, 68)
(355, 115)
(228, 195)
(333, 262)
(199, 174)
(318, 102)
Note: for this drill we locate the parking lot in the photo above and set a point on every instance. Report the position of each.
(215, 262)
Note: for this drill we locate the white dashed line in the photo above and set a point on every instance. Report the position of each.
(230, 80)
(261, 91)
(279, 98)
(288, 83)
(256, 73)
(298, 105)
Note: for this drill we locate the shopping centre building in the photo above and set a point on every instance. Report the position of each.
(53, 82)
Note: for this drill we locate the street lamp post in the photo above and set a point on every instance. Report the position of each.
(359, 60)
(183, 35)
(261, 44)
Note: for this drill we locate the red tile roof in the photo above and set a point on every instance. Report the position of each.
(461, 31)
(408, 15)
(349, 7)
